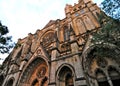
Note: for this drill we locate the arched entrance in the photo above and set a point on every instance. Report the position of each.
(108, 73)
(65, 77)
(36, 74)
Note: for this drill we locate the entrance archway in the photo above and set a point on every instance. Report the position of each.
(65, 77)
(69, 80)
(35, 73)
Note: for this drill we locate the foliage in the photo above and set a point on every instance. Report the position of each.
(5, 41)
(112, 8)
(109, 34)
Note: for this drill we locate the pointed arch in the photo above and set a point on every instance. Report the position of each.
(102, 62)
(65, 75)
(48, 37)
(36, 68)
(90, 50)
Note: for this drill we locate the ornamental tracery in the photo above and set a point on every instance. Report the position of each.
(48, 39)
(41, 72)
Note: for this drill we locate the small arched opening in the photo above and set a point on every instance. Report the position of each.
(65, 77)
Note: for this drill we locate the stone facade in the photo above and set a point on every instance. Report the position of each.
(60, 54)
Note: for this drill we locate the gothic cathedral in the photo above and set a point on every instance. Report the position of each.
(60, 54)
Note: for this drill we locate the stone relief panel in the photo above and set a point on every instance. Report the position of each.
(15, 68)
(39, 52)
(41, 72)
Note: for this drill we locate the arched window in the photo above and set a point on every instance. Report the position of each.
(66, 33)
(48, 39)
(65, 77)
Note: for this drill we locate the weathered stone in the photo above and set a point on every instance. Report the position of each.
(60, 54)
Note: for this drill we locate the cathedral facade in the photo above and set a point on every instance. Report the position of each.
(60, 54)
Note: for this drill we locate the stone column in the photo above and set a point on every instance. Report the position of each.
(109, 81)
(52, 77)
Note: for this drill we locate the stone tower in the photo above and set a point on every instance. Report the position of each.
(60, 54)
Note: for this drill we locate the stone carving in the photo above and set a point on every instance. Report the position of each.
(65, 47)
(39, 52)
(48, 39)
(15, 68)
(41, 72)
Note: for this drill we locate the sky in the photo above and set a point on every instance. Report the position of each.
(26, 16)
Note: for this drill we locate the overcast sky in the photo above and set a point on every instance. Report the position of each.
(26, 16)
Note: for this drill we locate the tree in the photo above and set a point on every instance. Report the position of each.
(5, 41)
(112, 8)
(109, 34)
